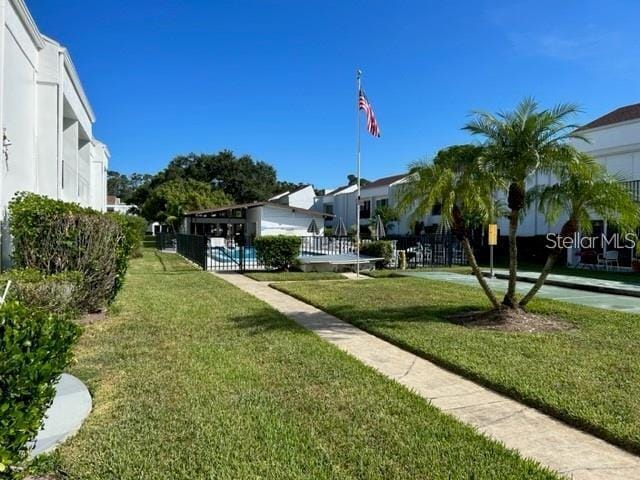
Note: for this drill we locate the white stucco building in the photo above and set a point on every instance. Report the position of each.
(46, 119)
(303, 197)
(613, 141)
(250, 220)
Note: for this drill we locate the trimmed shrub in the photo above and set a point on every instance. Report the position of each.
(278, 251)
(378, 249)
(134, 229)
(54, 236)
(35, 347)
(60, 293)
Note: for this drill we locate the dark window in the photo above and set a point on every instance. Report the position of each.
(383, 202)
(437, 209)
(328, 209)
(365, 209)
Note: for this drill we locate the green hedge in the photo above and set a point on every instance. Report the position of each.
(60, 293)
(35, 347)
(378, 248)
(279, 251)
(134, 228)
(54, 236)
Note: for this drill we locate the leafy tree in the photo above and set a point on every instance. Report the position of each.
(125, 186)
(241, 178)
(519, 144)
(583, 188)
(458, 181)
(169, 201)
(387, 214)
(352, 180)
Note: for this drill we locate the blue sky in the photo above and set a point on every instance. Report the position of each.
(276, 79)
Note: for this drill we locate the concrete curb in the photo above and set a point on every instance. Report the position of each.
(71, 406)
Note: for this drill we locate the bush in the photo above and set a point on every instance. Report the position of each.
(134, 229)
(60, 293)
(35, 348)
(54, 236)
(378, 249)
(279, 251)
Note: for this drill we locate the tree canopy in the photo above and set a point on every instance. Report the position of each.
(241, 179)
(170, 200)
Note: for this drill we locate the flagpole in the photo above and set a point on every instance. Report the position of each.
(358, 84)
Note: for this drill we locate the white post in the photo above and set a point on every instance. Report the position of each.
(358, 85)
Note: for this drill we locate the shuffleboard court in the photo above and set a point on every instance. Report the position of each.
(605, 301)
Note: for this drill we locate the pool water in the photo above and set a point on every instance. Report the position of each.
(225, 254)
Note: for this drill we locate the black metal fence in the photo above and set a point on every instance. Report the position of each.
(431, 250)
(227, 255)
(165, 241)
(193, 247)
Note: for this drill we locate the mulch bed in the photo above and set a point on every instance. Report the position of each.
(509, 320)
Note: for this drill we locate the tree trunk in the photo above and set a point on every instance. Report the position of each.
(551, 260)
(478, 273)
(510, 297)
(568, 230)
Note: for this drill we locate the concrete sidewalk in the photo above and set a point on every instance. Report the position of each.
(535, 435)
(606, 301)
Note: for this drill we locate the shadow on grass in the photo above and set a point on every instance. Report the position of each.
(266, 321)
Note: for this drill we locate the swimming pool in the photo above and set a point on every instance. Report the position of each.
(224, 254)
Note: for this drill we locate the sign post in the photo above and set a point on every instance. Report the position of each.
(493, 240)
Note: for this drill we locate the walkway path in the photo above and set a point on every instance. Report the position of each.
(606, 301)
(538, 436)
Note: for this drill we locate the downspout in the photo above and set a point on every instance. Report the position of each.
(60, 130)
(3, 7)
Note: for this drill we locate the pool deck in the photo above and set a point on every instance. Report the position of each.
(607, 301)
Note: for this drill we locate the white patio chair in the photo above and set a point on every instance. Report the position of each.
(608, 258)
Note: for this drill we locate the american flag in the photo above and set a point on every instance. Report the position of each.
(372, 124)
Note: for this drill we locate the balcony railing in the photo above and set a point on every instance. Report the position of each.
(634, 188)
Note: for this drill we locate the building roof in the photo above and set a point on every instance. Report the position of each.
(257, 204)
(289, 192)
(383, 182)
(619, 115)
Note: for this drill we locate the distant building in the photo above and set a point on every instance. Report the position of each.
(46, 120)
(114, 204)
(250, 220)
(303, 197)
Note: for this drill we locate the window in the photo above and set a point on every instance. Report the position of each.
(437, 209)
(328, 209)
(383, 202)
(365, 209)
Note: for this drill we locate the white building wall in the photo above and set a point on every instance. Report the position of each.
(344, 207)
(616, 147)
(47, 117)
(303, 198)
(19, 106)
(282, 221)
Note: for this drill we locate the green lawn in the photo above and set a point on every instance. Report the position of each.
(589, 376)
(194, 379)
(294, 276)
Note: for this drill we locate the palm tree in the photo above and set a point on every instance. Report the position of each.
(457, 181)
(519, 144)
(584, 188)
